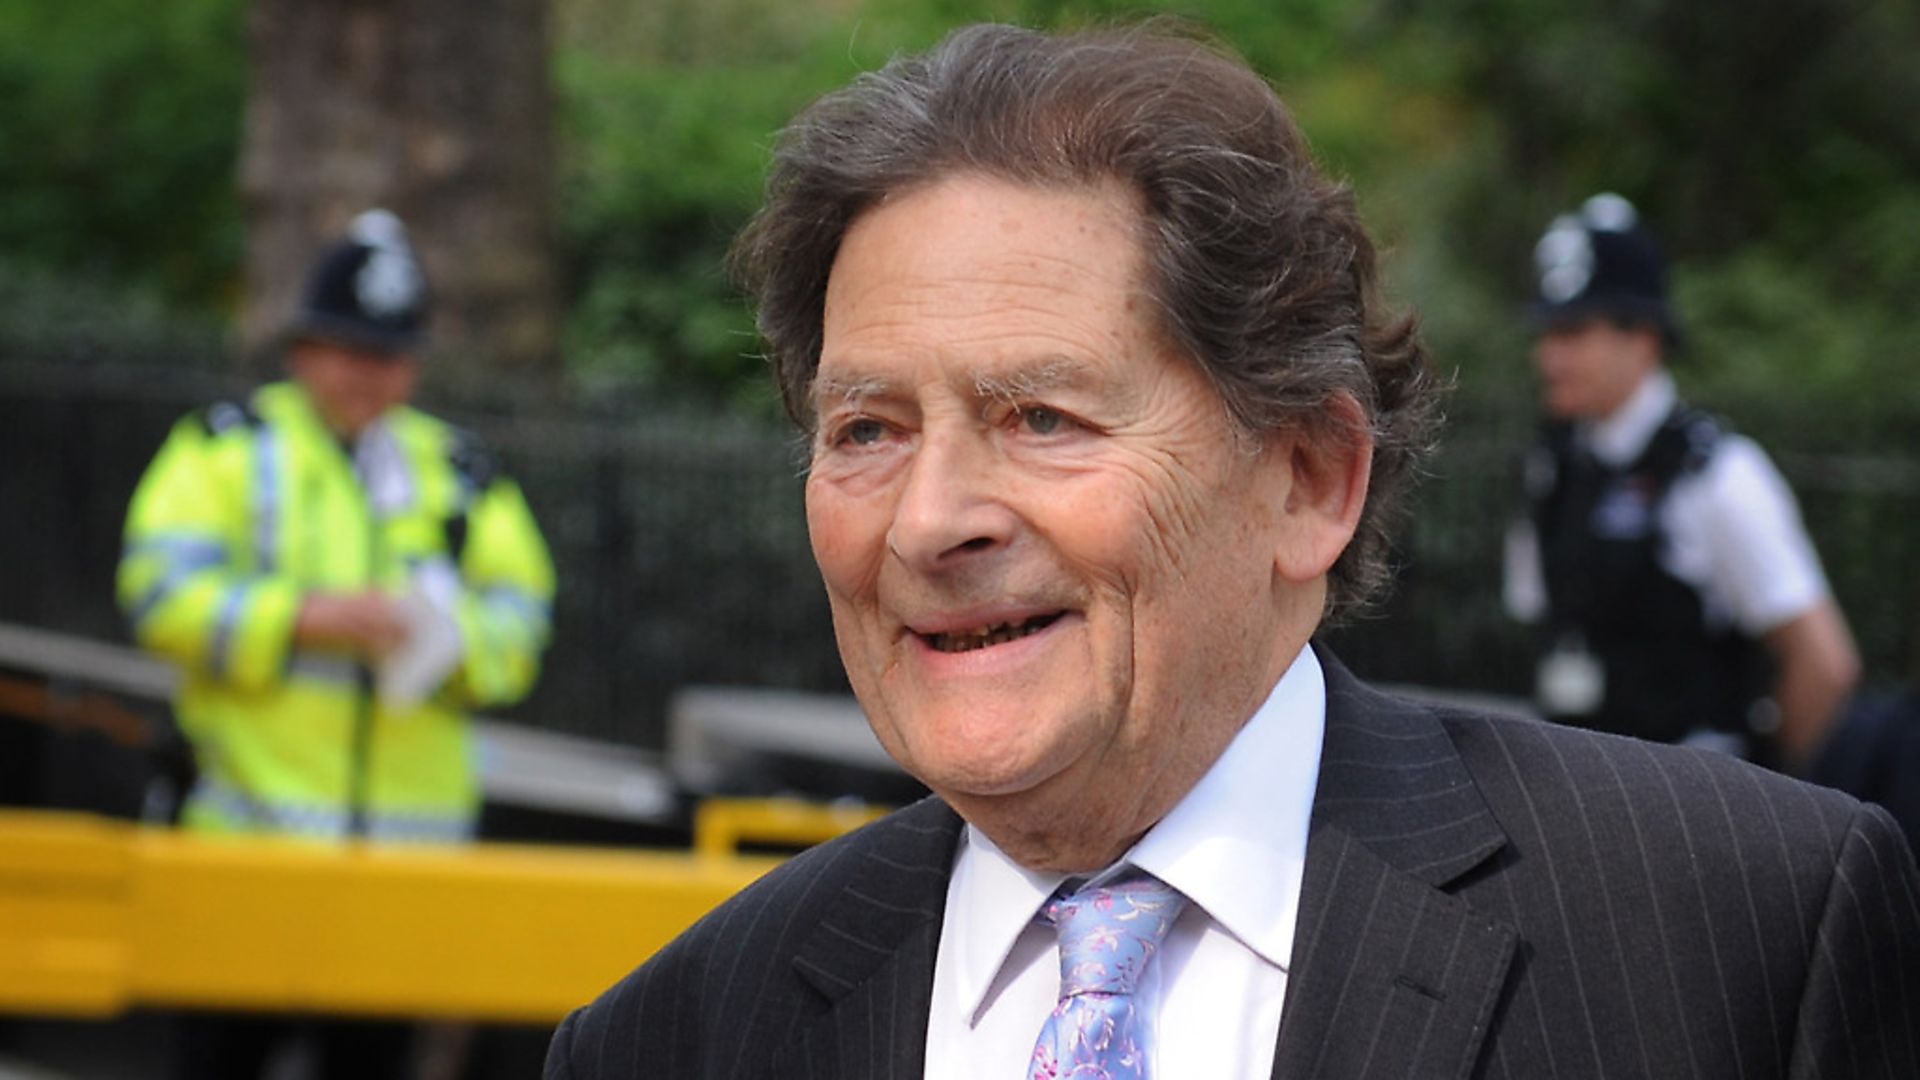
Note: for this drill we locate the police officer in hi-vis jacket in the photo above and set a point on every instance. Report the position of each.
(340, 579)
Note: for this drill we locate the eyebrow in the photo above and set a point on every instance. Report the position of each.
(845, 391)
(1029, 380)
(1015, 383)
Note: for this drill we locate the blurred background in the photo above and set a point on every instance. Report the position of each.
(572, 171)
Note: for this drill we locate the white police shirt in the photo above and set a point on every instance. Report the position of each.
(1733, 529)
(1236, 846)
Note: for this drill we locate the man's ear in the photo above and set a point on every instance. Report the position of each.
(1327, 466)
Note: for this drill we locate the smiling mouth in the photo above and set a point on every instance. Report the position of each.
(960, 641)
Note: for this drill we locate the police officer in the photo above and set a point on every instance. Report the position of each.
(340, 578)
(1662, 553)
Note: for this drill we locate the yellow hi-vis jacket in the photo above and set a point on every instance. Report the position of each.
(245, 510)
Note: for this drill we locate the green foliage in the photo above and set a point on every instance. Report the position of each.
(1766, 320)
(667, 115)
(56, 317)
(1772, 146)
(118, 140)
(651, 192)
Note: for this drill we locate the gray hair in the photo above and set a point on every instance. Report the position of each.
(1257, 260)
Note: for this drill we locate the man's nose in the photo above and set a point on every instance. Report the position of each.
(953, 506)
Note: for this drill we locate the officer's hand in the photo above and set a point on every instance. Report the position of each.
(365, 623)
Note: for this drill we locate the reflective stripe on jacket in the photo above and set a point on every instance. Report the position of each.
(247, 509)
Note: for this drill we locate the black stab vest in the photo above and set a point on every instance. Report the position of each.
(1667, 671)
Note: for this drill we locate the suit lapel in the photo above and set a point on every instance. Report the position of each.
(872, 955)
(1391, 975)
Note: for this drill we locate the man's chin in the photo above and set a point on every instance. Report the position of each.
(1045, 826)
(965, 778)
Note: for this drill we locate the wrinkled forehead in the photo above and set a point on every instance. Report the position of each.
(972, 251)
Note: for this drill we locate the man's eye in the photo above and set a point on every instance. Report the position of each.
(1041, 420)
(863, 432)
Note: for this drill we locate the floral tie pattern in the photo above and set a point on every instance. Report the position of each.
(1108, 935)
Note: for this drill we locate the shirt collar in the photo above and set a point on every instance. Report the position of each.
(994, 899)
(1233, 845)
(1620, 438)
(1237, 844)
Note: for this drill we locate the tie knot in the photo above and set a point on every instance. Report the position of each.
(1109, 932)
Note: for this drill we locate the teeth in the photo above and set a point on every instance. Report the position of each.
(968, 640)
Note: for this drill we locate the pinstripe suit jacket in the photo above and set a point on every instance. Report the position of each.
(1484, 897)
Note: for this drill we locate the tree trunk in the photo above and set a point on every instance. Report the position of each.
(439, 110)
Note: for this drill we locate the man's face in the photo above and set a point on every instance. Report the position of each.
(1050, 559)
(351, 387)
(1589, 368)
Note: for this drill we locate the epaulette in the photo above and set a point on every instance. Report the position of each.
(224, 416)
(1703, 431)
(472, 461)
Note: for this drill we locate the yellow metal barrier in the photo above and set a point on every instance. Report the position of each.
(97, 916)
(720, 826)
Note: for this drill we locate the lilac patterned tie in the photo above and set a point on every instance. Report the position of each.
(1108, 935)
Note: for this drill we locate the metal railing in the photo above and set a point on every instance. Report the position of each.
(682, 549)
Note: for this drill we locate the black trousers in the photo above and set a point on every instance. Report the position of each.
(229, 1046)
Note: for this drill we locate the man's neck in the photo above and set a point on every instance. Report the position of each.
(1075, 824)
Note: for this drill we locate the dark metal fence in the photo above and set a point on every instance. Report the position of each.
(683, 557)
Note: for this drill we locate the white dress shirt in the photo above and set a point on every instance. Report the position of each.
(1236, 846)
(1733, 529)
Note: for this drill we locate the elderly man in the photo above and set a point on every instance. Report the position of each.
(1106, 423)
